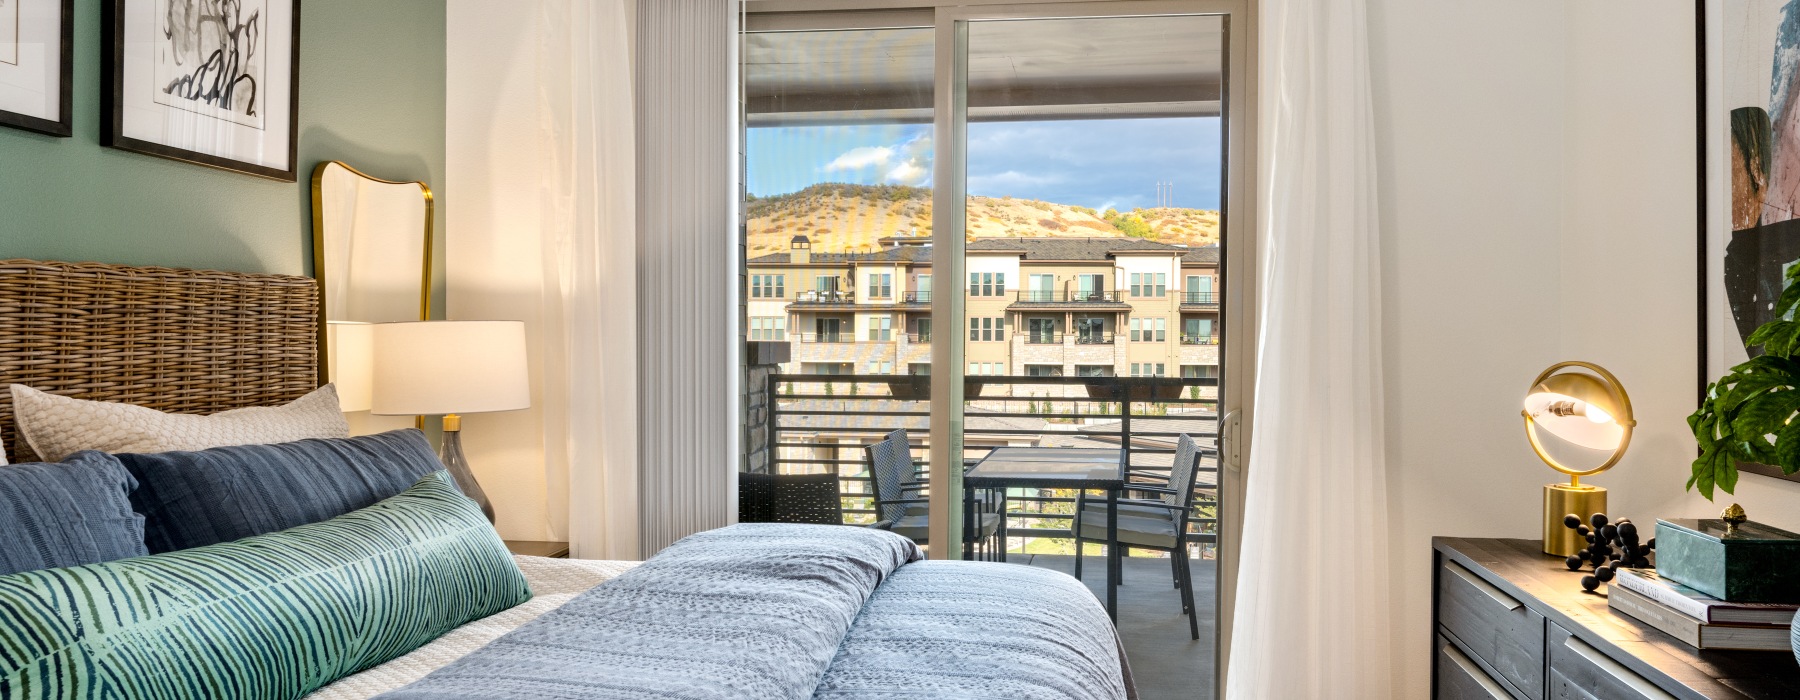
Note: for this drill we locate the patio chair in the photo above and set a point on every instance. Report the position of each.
(896, 486)
(1159, 524)
(789, 498)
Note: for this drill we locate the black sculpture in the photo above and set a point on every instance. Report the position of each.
(1610, 546)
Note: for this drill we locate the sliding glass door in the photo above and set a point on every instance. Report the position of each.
(1035, 159)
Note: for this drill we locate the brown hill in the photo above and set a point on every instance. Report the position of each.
(853, 218)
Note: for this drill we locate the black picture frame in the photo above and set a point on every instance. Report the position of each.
(65, 125)
(112, 98)
(1703, 270)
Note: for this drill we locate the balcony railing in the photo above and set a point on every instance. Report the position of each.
(843, 337)
(1199, 298)
(819, 423)
(1199, 339)
(1036, 338)
(918, 337)
(1094, 339)
(824, 297)
(916, 298)
(1067, 297)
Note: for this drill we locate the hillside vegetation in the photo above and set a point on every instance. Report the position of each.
(854, 218)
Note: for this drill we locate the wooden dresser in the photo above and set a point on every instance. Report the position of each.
(1511, 622)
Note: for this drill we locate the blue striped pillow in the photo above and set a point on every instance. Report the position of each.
(272, 616)
(67, 514)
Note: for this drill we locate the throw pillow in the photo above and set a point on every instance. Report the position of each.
(58, 426)
(274, 616)
(67, 514)
(193, 499)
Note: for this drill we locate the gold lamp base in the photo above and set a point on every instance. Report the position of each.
(1559, 501)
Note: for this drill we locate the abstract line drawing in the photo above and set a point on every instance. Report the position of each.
(210, 56)
(9, 32)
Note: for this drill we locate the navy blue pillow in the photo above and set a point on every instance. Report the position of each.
(67, 514)
(193, 499)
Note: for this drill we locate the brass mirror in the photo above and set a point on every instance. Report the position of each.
(372, 258)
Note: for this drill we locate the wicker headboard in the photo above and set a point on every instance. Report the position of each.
(186, 341)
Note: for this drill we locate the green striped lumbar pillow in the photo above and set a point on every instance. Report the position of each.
(272, 616)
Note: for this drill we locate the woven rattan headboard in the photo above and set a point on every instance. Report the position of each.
(186, 341)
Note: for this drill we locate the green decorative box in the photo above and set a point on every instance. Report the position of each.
(1754, 564)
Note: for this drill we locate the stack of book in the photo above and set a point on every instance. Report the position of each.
(1700, 620)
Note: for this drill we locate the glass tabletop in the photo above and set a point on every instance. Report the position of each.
(1096, 467)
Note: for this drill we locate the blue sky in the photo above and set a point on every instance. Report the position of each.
(1096, 163)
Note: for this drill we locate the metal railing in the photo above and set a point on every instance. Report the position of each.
(842, 337)
(1067, 297)
(918, 337)
(824, 297)
(1199, 339)
(1094, 338)
(1039, 338)
(916, 298)
(819, 423)
(1199, 298)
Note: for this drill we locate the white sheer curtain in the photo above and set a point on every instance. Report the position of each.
(1312, 612)
(587, 339)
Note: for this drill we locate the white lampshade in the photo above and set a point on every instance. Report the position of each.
(352, 348)
(439, 367)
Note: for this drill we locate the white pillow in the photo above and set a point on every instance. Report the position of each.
(58, 426)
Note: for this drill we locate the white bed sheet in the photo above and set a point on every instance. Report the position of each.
(553, 582)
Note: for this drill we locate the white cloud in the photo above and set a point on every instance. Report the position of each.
(861, 157)
(907, 173)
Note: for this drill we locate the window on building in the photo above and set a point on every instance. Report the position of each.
(1090, 329)
(1197, 331)
(919, 368)
(1093, 370)
(1090, 287)
(1199, 371)
(1043, 370)
(922, 330)
(1149, 330)
(1041, 288)
(1162, 329)
(922, 289)
(768, 328)
(881, 328)
(829, 330)
(1147, 369)
(881, 368)
(768, 286)
(987, 328)
(881, 285)
(1149, 284)
(986, 369)
(1043, 330)
(987, 284)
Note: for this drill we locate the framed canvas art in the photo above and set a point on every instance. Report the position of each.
(36, 55)
(1749, 103)
(212, 82)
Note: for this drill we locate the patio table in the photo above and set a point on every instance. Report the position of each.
(1056, 468)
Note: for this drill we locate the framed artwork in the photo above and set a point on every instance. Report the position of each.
(211, 82)
(1749, 102)
(36, 55)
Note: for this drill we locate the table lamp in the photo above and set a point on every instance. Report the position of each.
(1581, 403)
(351, 346)
(450, 368)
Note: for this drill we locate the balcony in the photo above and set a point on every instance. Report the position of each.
(824, 337)
(1199, 339)
(847, 301)
(1199, 301)
(1071, 300)
(818, 424)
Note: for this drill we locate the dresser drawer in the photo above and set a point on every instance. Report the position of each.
(1495, 628)
(1578, 671)
(1460, 678)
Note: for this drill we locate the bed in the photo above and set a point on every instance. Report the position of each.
(865, 617)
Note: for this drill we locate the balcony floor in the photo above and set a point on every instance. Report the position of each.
(1165, 662)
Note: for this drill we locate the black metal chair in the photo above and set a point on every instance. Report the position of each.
(1159, 524)
(894, 480)
(790, 498)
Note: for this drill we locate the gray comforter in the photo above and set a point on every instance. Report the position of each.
(802, 611)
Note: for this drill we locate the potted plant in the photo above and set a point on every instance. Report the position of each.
(1748, 414)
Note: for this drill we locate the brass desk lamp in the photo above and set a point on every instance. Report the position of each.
(1589, 409)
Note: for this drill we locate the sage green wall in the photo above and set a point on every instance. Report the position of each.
(371, 94)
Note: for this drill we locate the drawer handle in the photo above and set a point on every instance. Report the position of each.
(1499, 596)
(1614, 669)
(1468, 667)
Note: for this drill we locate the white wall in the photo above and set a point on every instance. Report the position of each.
(1538, 193)
(491, 154)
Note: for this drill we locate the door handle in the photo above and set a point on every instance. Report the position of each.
(1228, 442)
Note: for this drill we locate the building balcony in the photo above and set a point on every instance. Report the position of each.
(1199, 301)
(1199, 339)
(1070, 300)
(847, 301)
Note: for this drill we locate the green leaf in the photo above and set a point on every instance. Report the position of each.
(1790, 295)
(1750, 385)
(1703, 475)
(1763, 414)
(1725, 474)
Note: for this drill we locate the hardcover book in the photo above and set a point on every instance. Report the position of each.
(1701, 606)
(1693, 632)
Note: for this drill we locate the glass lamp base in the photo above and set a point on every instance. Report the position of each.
(452, 456)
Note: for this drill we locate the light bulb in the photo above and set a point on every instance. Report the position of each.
(1595, 415)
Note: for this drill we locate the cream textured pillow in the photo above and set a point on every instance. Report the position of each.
(58, 426)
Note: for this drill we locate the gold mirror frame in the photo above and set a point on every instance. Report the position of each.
(321, 271)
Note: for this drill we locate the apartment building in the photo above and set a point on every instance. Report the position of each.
(1035, 307)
